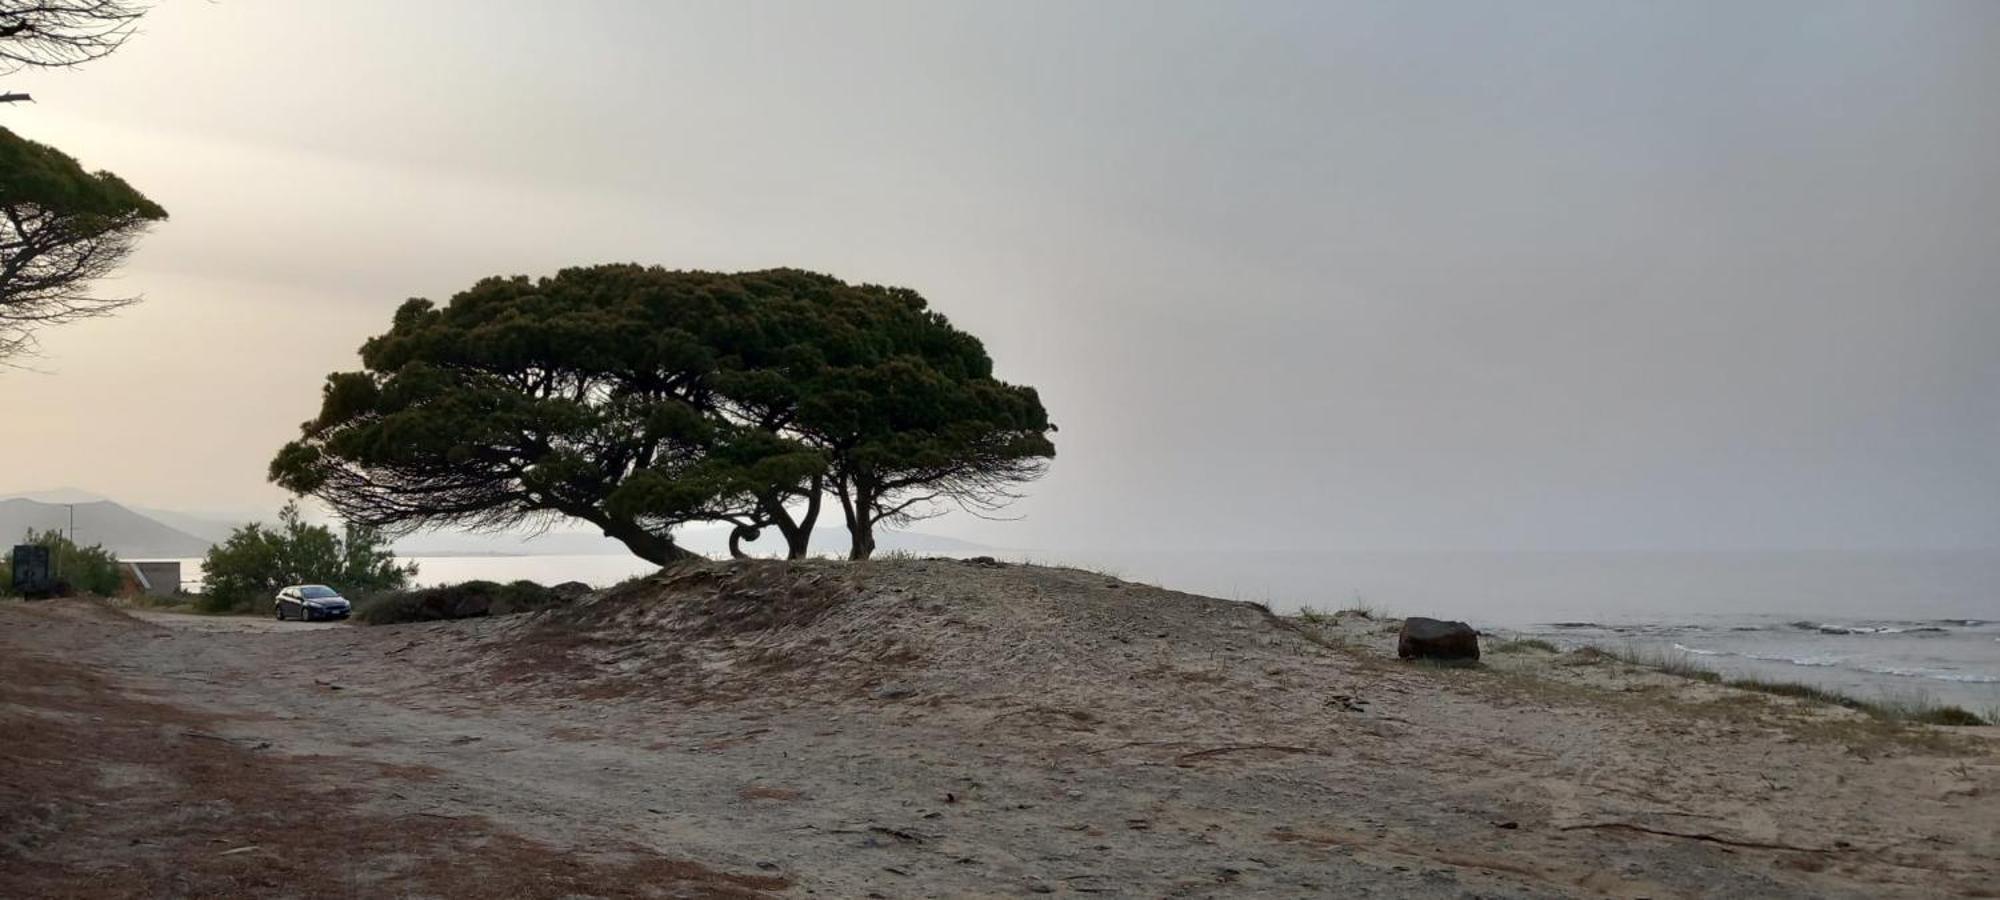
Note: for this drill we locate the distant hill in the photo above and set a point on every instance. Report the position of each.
(208, 528)
(120, 530)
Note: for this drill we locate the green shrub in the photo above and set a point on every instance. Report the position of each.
(82, 570)
(247, 570)
(1523, 645)
(465, 600)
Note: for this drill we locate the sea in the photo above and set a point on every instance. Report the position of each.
(1895, 625)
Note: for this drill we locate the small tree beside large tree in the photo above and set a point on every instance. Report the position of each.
(903, 406)
(641, 400)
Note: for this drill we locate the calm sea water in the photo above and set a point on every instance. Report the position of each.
(1890, 624)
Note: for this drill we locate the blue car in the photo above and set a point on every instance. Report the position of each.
(311, 602)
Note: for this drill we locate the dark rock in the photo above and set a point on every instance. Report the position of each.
(1423, 638)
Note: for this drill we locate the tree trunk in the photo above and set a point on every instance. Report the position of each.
(797, 532)
(855, 504)
(660, 551)
(860, 530)
(796, 541)
(800, 537)
(739, 534)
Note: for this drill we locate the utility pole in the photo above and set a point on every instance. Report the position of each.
(55, 553)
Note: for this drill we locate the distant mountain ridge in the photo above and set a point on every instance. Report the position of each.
(118, 529)
(207, 528)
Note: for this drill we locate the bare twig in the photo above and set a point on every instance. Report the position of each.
(1698, 836)
(1133, 744)
(1187, 758)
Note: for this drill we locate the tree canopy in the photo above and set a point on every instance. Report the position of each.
(642, 399)
(44, 33)
(903, 406)
(60, 228)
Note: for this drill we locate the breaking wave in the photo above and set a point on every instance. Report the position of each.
(1912, 628)
(1932, 674)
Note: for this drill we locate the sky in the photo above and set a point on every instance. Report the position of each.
(1428, 276)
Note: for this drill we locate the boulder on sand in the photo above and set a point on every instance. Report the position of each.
(1423, 638)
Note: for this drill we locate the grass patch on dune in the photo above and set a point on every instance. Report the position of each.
(1916, 708)
(1363, 609)
(1312, 615)
(1671, 661)
(1525, 645)
(1358, 609)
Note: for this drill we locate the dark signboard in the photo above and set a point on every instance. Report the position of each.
(33, 575)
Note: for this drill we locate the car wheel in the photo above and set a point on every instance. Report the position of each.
(281, 611)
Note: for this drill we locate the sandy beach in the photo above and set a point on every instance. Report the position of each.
(915, 728)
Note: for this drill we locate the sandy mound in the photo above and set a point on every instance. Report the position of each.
(916, 631)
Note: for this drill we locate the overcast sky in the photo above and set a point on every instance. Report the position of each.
(1363, 276)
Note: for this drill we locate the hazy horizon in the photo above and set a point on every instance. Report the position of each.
(1303, 276)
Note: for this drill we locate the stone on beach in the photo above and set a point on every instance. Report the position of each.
(1423, 638)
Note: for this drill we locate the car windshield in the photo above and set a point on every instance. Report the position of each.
(317, 592)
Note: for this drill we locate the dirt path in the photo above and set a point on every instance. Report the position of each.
(171, 755)
(162, 759)
(230, 624)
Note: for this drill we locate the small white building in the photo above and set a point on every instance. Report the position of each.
(155, 577)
